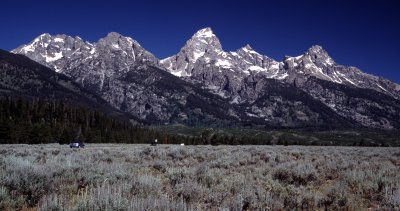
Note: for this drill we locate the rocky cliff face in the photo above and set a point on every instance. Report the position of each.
(230, 88)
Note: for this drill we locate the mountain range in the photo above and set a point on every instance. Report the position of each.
(203, 85)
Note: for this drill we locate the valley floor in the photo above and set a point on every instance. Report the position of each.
(173, 177)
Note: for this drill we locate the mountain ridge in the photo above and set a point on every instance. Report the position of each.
(237, 78)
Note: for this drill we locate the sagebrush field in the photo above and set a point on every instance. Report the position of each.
(172, 177)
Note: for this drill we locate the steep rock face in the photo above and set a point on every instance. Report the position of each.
(159, 97)
(278, 103)
(368, 107)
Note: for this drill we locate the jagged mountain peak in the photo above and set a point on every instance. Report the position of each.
(203, 44)
(319, 55)
(314, 57)
(316, 48)
(114, 34)
(204, 39)
(49, 49)
(205, 32)
(44, 35)
(44, 41)
(247, 49)
(47, 36)
(247, 46)
(115, 39)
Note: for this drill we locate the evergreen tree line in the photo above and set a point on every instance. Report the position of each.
(37, 121)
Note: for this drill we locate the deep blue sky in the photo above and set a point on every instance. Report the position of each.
(365, 34)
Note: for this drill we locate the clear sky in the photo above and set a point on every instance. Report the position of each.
(365, 34)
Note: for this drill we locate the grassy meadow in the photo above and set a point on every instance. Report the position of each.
(173, 177)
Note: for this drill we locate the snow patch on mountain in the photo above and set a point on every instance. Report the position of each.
(257, 68)
(223, 63)
(283, 76)
(197, 55)
(56, 57)
(57, 39)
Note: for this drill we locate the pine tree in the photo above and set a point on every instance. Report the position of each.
(5, 132)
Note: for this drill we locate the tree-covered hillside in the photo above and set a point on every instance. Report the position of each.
(38, 121)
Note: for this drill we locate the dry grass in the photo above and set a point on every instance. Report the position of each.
(168, 177)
